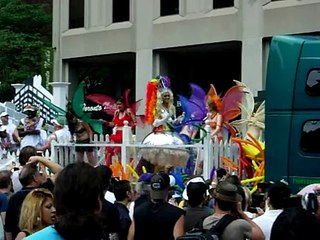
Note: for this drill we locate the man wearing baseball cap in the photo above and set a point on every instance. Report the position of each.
(60, 134)
(226, 200)
(195, 193)
(157, 219)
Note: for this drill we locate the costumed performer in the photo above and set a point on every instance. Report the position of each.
(161, 114)
(214, 117)
(60, 134)
(30, 131)
(83, 135)
(122, 114)
(165, 111)
(222, 110)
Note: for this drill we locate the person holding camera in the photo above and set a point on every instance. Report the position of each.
(226, 201)
(276, 196)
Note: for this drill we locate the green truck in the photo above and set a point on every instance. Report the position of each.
(292, 133)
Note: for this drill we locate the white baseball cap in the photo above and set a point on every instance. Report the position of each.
(4, 114)
(198, 180)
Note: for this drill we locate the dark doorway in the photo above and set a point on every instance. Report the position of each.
(218, 64)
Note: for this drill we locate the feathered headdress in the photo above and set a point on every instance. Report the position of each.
(161, 84)
(151, 100)
(164, 83)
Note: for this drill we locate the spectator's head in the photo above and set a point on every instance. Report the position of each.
(160, 185)
(277, 195)
(105, 174)
(221, 174)
(26, 153)
(226, 196)
(4, 116)
(235, 180)
(5, 179)
(37, 210)
(195, 191)
(30, 111)
(122, 190)
(59, 122)
(143, 185)
(30, 176)
(77, 195)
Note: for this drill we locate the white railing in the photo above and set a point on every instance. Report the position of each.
(207, 151)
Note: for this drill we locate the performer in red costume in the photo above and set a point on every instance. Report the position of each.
(123, 113)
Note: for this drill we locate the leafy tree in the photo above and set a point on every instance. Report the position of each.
(25, 32)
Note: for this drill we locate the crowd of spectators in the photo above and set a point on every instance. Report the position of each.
(42, 200)
(39, 199)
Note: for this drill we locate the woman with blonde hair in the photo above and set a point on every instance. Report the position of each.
(161, 115)
(37, 212)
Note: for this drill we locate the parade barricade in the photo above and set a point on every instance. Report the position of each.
(208, 151)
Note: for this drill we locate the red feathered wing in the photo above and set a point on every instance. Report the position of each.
(140, 119)
(108, 103)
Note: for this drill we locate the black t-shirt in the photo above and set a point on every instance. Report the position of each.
(156, 219)
(125, 220)
(110, 216)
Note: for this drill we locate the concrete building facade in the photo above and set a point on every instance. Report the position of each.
(205, 41)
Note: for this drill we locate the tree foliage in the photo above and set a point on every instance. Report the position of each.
(25, 31)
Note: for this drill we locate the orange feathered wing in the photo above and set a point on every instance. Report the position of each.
(230, 102)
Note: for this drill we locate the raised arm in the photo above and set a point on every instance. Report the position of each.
(55, 168)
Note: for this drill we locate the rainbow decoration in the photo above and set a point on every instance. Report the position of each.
(151, 100)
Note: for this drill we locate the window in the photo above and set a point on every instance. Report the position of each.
(76, 13)
(120, 11)
(169, 7)
(222, 3)
(313, 83)
(310, 137)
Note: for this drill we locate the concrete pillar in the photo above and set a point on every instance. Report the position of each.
(17, 87)
(144, 54)
(252, 32)
(60, 24)
(60, 93)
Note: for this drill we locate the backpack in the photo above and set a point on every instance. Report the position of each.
(214, 233)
